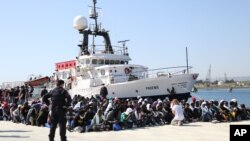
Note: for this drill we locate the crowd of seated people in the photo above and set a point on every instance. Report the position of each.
(105, 114)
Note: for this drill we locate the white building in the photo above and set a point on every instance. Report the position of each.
(220, 83)
(8, 85)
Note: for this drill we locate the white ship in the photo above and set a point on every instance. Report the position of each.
(109, 65)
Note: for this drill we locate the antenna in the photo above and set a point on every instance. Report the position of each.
(94, 15)
(123, 42)
(125, 49)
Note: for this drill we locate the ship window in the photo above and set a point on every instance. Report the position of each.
(94, 61)
(83, 62)
(117, 62)
(122, 62)
(101, 61)
(102, 72)
(64, 75)
(87, 61)
(106, 62)
(112, 62)
(78, 69)
(59, 75)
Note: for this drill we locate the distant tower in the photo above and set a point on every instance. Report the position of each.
(226, 77)
(208, 78)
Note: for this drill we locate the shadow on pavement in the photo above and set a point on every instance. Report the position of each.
(13, 136)
(13, 131)
(19, 131)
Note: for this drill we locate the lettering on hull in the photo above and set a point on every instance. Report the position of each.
(152, 87)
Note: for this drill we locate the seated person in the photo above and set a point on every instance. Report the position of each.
(112, 119)
(126, 118)
(235, 110)
(245, 114)
(188, 114)
(138, 117)
(206, 113)
(167, 111)
(42, 116)
(98, 122)
(70, 117)
(24, 112)
(17, 114)
(225, 111)
(79, 122)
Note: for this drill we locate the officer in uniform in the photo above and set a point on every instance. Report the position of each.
(60, 101)
(103, 91)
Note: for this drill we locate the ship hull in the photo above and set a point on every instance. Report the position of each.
(159, 87)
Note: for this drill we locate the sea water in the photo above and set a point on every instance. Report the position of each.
(242, 95)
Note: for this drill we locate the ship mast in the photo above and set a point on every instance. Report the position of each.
(208, 78)
(80, 24)
(94, 15)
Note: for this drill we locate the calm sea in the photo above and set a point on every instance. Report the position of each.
(242, 95)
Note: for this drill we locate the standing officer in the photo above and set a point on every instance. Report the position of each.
(103, 91)
(60, 101)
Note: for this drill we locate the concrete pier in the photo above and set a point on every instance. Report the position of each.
(198, 131)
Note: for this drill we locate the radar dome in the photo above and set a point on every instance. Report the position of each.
(80, 23)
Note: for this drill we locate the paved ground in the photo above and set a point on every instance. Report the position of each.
(192, 132)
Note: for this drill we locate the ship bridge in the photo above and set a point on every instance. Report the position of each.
(102, 59)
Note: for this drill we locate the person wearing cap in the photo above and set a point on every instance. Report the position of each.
(60, 101)
(126, 118)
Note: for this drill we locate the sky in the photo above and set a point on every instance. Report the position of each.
(34, 35)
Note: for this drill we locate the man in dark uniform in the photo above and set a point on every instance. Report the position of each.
(60, 100)
(44, 92)
(103, 91)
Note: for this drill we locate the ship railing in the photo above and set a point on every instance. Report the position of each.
(88, 92)
(154, 73)
(100, 49)
(170, 71)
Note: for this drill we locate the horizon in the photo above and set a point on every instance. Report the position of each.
(37, 34)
